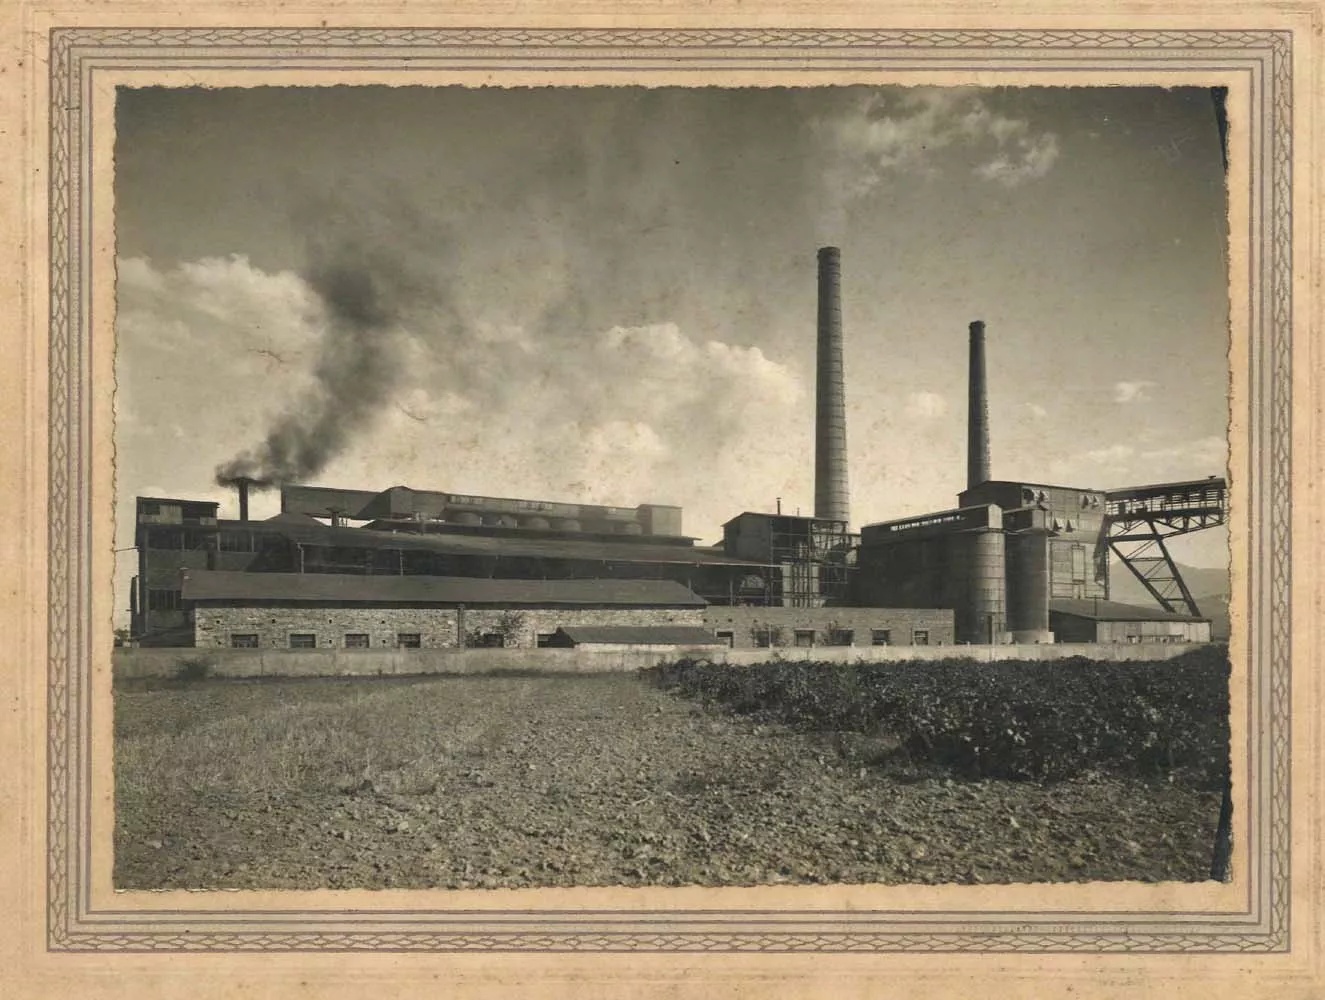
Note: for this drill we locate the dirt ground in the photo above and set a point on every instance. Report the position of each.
(485, 782)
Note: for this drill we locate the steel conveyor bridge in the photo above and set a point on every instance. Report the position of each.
(1140, 518)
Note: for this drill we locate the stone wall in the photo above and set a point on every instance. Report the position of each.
(437, 628)
(539, 621)
(747, 624)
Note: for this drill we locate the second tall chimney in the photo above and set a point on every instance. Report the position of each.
(830, 425)
(977, 419)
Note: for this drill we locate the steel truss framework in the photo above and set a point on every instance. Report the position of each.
(1140, 519)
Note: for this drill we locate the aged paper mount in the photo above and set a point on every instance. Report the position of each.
(73, 935)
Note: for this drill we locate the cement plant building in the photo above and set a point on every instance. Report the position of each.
(421, 568)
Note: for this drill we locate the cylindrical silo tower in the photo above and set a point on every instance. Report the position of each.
(980, 615)
(1028, 585)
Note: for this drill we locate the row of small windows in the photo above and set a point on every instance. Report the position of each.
(807, 637)
(802, 637)
(164, 600)
(308, 640)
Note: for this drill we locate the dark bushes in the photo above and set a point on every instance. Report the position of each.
(1015, 719)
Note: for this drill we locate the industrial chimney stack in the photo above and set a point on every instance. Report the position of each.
(242, 485)
(830, 427)
(977, 432)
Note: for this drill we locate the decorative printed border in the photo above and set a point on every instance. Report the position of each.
(74, 925)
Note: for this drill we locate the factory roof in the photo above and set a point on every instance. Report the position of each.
(763, 514)
(308, 530)
(640, 635)
(217, 585)
(1028, 483)
(1112, 611)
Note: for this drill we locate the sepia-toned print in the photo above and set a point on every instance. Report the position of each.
(526, 488)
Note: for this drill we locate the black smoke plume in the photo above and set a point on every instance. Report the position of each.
(355, 372)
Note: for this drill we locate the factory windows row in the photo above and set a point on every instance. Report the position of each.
(164, 600)
(308, 640)
(808, 637)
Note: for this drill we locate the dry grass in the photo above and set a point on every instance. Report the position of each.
(304, 737)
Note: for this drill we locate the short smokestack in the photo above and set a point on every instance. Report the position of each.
(242, 485)
(830, 426)
(977, 432)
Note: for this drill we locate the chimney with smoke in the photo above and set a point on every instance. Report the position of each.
(830, 427)
(241, 485)
(977, 426)
(357, 365)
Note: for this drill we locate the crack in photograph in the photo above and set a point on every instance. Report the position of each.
(627, 486)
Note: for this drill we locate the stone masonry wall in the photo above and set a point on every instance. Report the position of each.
(537, 621)
(437, 627)
(901, 623)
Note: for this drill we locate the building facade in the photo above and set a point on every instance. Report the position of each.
(756, 628)
(325, 611)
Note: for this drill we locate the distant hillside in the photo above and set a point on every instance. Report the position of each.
(1215, 607)
(1125, 587)
(1209, 587)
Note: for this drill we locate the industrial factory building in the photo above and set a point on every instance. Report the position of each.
(401, 567)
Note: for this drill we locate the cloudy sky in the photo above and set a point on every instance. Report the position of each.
(608, 294)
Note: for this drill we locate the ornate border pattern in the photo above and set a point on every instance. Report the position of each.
(73, 925)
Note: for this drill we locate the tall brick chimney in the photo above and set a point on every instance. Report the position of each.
(977, 416)
(831, 499)
(242, 485)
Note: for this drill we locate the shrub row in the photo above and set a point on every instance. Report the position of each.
(1015, 719)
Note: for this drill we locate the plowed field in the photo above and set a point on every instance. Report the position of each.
(502, 781)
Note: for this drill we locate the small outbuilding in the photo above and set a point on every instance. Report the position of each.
(663, 638)
(1111, 622)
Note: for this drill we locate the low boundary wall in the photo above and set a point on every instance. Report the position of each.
(129, 664)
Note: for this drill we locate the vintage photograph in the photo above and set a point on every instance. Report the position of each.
(677, 486)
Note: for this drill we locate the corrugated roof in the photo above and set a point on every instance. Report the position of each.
(317, 588)
(313, 532)
(1112, 611)
(641, 635)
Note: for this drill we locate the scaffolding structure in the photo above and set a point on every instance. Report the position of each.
(813, 559)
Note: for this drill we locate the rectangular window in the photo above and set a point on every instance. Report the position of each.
(492, 640)
(727, 638)
(303, 640)
(163, 600)
(165, 539)
(151, 507)
(881, 636)
(236, 541)
(804, 637)
(356, 640)
(842, 637)
(1079, 563)
(920, 637)
(409, 640)
(763, 638)
(243, 640)
(545, 639)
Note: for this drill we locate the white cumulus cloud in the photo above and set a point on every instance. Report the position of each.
(878, 134)
(1131, 392)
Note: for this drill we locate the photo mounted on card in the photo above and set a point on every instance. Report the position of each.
(611, 486)
(608, 489)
